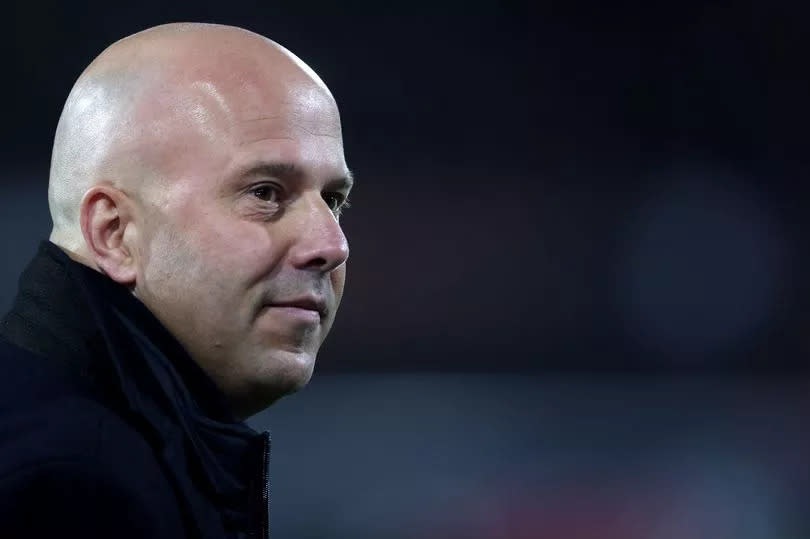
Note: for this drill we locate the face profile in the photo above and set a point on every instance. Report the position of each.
(213, 191)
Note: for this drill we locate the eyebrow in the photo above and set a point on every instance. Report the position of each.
(291, 170)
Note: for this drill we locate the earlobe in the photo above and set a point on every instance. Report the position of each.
(105, 217)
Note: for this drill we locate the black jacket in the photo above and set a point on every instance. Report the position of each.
(108, 428)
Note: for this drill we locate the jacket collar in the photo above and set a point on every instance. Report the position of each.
(110, 342)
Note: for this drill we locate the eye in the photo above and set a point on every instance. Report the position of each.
(335, 200)
(266, 192)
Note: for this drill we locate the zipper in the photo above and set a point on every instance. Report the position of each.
(260, 526)
(264, 526)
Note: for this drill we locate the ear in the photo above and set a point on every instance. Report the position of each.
(106, 221)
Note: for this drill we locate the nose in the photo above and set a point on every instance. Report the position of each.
(320, 242)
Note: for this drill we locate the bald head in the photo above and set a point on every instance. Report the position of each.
(136, 115)
(202, 167)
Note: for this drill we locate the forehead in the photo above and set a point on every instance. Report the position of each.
(300, 126)
(233, 126)
(293, 112)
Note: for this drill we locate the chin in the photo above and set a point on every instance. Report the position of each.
(282, 376)
(294, 378)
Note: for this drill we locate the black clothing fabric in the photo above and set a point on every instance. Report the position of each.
(108, 428)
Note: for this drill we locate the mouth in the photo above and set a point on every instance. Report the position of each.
(308, 303)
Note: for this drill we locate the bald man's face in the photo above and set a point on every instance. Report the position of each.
(240, 249)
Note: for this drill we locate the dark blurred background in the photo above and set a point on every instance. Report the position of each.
(578, 291)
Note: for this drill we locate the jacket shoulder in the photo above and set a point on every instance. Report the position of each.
(45, 414)
(68, 460)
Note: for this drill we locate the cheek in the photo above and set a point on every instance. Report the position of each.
(231, 254)
(338, 278)
(208, 253)
(174, 268)
(196, 288)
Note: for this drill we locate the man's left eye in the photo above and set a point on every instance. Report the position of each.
(334, 200)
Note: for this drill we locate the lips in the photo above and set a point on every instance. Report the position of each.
(308, 303)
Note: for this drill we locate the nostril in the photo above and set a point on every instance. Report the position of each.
(318, 262)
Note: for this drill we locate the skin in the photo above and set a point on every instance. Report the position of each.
(202, 166)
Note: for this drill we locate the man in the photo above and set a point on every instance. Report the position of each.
(195, 266)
